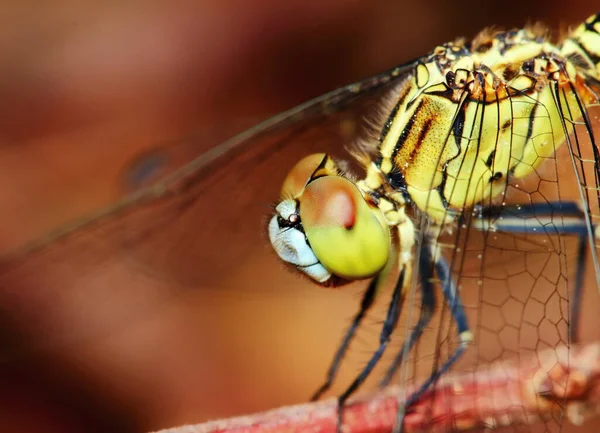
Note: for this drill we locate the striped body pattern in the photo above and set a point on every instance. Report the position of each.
(473, 115)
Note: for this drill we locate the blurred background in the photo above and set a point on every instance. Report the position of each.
(86, 86)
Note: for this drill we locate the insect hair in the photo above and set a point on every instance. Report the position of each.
(366, 145)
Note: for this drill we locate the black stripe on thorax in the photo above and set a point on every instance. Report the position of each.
(388, 123)
(407, 128)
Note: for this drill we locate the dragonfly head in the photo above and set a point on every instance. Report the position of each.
(326, 227)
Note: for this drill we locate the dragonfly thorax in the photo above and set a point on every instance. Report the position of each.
(467, 120)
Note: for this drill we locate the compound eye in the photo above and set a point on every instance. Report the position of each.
(347, 234)
(302, 172)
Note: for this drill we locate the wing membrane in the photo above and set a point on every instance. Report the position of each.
(201, 227)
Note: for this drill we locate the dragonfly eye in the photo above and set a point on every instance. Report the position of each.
(325, 226)
(347, 233)
(285, 228)
(308, 168)
(329, 228)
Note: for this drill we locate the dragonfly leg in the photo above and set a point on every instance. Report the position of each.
(405, 231)
(365, 305)
(391, 320)
(427, 308)
(428, 255)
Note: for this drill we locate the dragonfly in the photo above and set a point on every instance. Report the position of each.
(475, 174)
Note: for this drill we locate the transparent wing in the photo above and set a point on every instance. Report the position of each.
(519, 261)
(201, 228)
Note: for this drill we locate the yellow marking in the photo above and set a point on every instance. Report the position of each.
(464, 63)
(391, 139)
(386, 206)
(406, 235)
(422, 75)
(519, 53)
(522, 82)
(397, 197)
(466, 337)
(373, 180)
(430, 202)
(440, 87)
(423, 152)
(571, 70)
(393, 217)
(386, 166)
(539, 66)
(461, 77)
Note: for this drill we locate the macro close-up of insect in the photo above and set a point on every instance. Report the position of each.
(443, 214)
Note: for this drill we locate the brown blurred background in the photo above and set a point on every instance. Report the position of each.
(86, 85)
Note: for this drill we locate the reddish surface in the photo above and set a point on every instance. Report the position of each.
(501, 396)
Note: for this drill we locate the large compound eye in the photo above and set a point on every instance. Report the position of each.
(301, 173)
(324, 226)
(348, 235)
